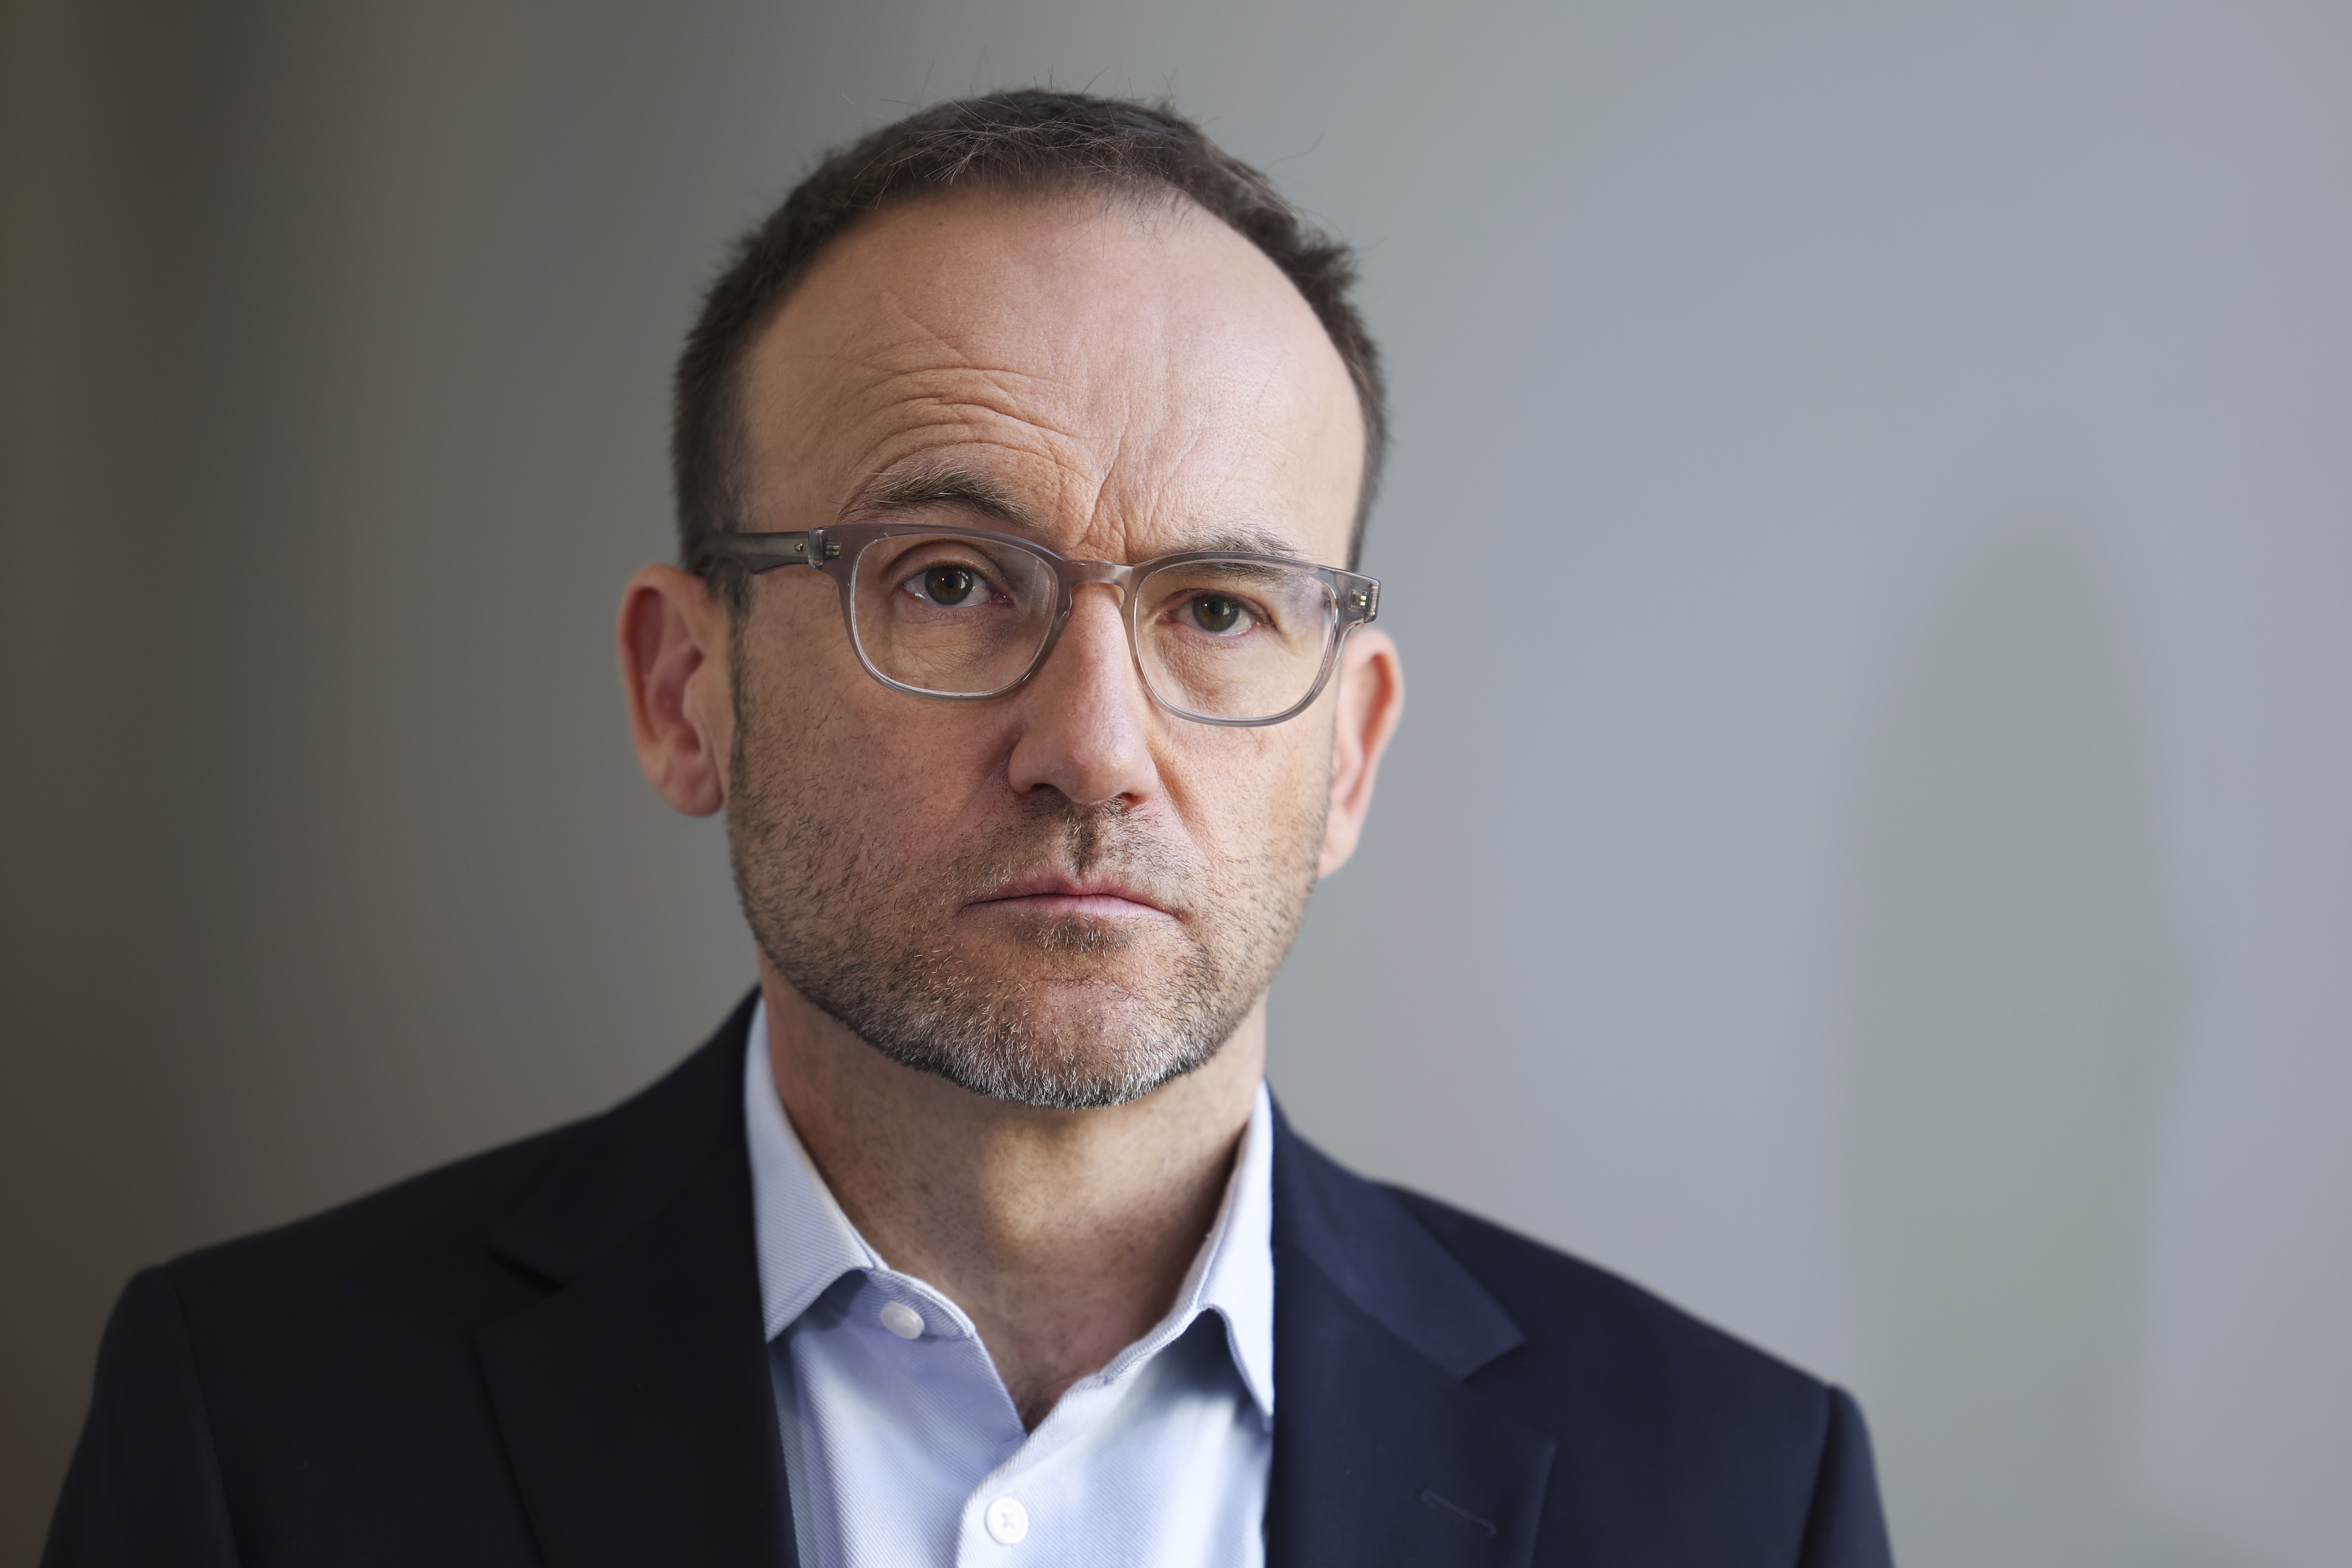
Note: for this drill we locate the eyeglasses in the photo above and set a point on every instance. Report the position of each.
(966, 615)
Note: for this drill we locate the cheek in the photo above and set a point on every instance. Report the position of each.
(814, 698)
(856, 754)
(1255, 794)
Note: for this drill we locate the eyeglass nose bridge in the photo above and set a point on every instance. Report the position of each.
(1120, 578)
(1075, 574)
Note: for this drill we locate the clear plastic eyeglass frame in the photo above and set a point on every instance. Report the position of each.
(1354, 598)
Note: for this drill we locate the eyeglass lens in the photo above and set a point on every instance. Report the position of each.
(957, 616)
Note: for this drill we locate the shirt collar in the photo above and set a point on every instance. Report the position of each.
(806, 1242)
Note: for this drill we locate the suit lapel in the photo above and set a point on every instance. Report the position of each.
(634, 1399)
(638, 1414)
(1380, 1454)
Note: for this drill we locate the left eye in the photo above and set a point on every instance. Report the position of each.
(947, 585)
(1216, 612)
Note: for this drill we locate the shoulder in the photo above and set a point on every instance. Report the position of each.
(1673, 1440)
(427, 1243)
(416, 1247)
(331, 1369)
(282, 1361)
(421, 1214)
(1672, 1410)
(1600, 1326)
(1428, 1268)
(1545, 1332)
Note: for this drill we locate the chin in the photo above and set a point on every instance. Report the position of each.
(1074, 934)
(1080, 961)
(1082, 1077)
(1086, 1019)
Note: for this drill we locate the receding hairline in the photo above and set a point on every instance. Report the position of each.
(1140, 201)
(1305, 333)
(1166, 202)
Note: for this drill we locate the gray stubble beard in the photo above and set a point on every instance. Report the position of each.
(866, 938)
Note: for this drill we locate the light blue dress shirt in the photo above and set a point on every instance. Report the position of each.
(902, 1447)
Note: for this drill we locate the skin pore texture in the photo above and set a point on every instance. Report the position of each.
(1016, 952)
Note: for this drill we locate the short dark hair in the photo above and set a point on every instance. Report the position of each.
(1030, 141)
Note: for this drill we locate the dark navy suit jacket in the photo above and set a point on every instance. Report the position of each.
(552, 1353)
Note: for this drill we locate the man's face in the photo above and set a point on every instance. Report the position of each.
(1067, 896)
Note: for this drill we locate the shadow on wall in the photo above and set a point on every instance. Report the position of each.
(2018, 1013)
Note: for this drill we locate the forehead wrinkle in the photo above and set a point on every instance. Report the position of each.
(1051, 480)
(893, 358)
(1014, 331)
(1111, 433)
(1027, 486)
(1086, 412)
(1158, 506)
(971, 394)
(894, 306)
(1008, 382)
(1187, 491)
(1026, 418)
(947, 425)
(933, 480)
(927, 417)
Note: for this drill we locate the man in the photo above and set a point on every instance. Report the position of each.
(1015, 456)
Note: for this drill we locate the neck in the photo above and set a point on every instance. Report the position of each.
(1063, 1235)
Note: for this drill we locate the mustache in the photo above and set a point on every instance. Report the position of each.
(1080, 843)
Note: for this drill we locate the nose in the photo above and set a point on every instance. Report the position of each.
(1087, 720)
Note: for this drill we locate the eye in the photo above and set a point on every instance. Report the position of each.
(947, 585)
(1217, 613)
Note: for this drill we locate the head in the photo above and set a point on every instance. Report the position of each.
(1067, 895)
(1016, 144)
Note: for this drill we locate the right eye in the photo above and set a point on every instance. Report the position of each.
(947, 585)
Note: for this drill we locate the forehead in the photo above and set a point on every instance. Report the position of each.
(1135, 374)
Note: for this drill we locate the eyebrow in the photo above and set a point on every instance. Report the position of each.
(934, 482)
(1246, 539)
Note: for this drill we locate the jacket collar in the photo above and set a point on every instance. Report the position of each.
(634, 1397)
(638, 1410)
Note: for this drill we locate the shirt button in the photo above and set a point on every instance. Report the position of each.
(902, 1320)
(1008, 1521)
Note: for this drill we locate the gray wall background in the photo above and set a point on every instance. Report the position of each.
(1871, 533)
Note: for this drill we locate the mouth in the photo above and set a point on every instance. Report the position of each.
(1099, 898)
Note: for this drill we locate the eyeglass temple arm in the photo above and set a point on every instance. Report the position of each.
(1362, 597)
(766, 552)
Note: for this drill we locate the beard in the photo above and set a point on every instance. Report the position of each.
(1064, 1013)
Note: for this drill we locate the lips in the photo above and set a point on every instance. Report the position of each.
(1068, 895)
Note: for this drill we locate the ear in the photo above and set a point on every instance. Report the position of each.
(673, 637)
(1371, 700)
